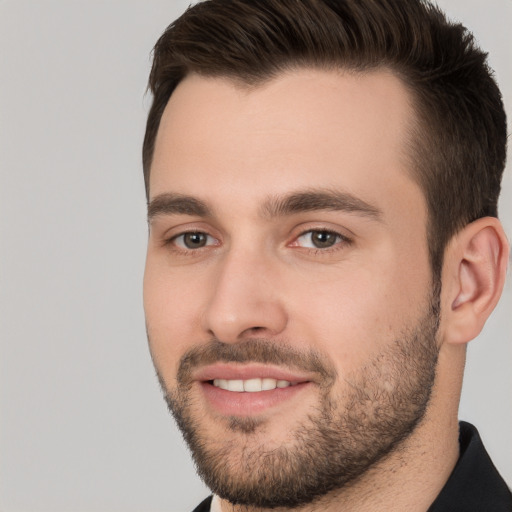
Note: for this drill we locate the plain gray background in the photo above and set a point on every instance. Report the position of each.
(83, 426)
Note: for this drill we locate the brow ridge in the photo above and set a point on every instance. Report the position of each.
(323, 199)
(275, 206)
(177, 204)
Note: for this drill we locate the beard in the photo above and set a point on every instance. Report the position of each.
(357, 420)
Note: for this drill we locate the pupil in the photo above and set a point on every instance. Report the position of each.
(322, 239)
(194, 240)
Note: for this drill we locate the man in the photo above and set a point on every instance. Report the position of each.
(322, 180)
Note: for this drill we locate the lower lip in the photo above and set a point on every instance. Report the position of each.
(232, 403)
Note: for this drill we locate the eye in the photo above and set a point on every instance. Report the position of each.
(319, 239)
(193, 240)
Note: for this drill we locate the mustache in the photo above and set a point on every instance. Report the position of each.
(256, 350)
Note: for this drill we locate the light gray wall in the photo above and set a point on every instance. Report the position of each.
(83, 426)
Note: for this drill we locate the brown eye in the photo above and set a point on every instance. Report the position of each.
(323, 239)
(193, 240)
(317, 239)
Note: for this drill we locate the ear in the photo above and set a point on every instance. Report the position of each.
(474, 271)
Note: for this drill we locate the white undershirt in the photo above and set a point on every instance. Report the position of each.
(215, 506)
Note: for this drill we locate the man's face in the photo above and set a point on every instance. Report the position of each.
(287, 288)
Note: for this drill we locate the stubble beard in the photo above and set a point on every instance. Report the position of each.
(345, 435)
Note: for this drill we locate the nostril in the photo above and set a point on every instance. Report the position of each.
(255, 329)
(230, 320)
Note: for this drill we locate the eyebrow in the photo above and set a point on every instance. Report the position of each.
(297, 202)
(313, 200)
(177, 204)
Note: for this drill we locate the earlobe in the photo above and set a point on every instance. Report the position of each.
(478, 258)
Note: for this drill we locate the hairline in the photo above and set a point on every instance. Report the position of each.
(417, 124)
(417, 133)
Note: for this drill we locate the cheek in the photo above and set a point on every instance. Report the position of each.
(171, 309)
(344, 318)
(359, 311)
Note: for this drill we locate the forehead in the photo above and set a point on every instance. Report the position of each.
(306, 128)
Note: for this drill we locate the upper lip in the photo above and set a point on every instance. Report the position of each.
(236, 371)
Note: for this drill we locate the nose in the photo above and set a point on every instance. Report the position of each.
(246, 300)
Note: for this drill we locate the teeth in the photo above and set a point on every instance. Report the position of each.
(221, 383)
(236, 385)
(250, 385)
(268, 384)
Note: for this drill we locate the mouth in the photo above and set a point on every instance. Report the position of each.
(255, 385)
(244, 390)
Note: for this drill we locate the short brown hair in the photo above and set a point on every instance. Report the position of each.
(458, 147)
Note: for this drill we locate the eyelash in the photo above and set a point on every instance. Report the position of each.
(341, 242)
(183, 250)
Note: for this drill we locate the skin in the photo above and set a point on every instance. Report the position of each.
(238, 150)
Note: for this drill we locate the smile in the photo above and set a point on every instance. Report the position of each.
(250, 389)
(251, 385)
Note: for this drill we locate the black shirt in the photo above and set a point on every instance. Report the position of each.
(474, 485)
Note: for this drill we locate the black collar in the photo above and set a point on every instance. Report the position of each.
(475, 484)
